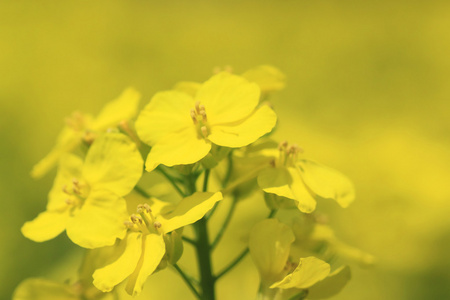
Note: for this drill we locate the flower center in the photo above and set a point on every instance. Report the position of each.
(288, 154)
(76, 193)
(77, 121)
(198, 115)
(144, 221)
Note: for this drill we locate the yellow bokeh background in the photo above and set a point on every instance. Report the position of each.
(367, 93)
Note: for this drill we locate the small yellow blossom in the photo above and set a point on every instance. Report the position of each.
(181, 128)
(304, 180)
(81, 127)
(268, 78)
(141, 251)
(43, 289)
(86, 198)
(281, 278)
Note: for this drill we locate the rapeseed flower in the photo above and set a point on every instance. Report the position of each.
(281, 277)
(139, 254)
(304, 180)
(182, 128)
(86, 198)
(81, 127)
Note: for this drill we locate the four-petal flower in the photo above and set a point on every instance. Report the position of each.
(181, 128)
(86, 198)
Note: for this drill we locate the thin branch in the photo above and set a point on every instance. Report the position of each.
(205, 180)
(188, 281)
(225, 224)
(172, 181)
(233, 263)
(141, 191)
(189, 240)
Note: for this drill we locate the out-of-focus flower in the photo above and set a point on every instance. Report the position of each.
(81, 127)
(281, 277)
(138, 255)
(304, 180)
(86, 198)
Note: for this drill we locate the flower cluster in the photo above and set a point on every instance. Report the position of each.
(218, 132)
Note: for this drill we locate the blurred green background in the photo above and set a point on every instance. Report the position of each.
(368, 93)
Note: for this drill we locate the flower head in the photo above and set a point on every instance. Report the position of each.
(282, 277)
(304, 180)
(181, 128)
(81, 127)
(86, 198)
(138, 255)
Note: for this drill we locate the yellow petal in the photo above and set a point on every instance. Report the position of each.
(305, 201)
(122, 108)
(331, 285)
(189, 210)
(309, 271)
(182, 148)
(113, 163)
(100, 220)
(130, 249)
(228, 98)
(267, 77)
(42, 289)
(327, 183)
(167, 113)
(276, 181)
(153, 250)
(188, 87)
(45, 226)
(70, 167)
(246, 131)
(269, 245)
(67, 140)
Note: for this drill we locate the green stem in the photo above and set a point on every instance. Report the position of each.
(203, 250)
(141, 191)
(188, 281)
(243, 179)
(188, 240)
(205, 180)
(172, 181)
(207, 280)
(229, 170)
(225, 224)
(233, 263)
(224, 182)
(242, 254)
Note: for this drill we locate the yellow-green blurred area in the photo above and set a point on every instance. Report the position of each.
(367, 93)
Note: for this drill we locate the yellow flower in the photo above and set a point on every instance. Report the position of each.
(83, 127)
(86, 198)
(304, 180)
(268, 78)
(138, 255)
(270, 247)
(181, 128)
(43, 289)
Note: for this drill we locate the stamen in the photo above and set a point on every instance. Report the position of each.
(203, 114)
(136, 219)
(157, 225)
(128, 224)
(89, 137)
(197, 107)
(194, 116)
(282, 145)
(64, 189)
(204, 131)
